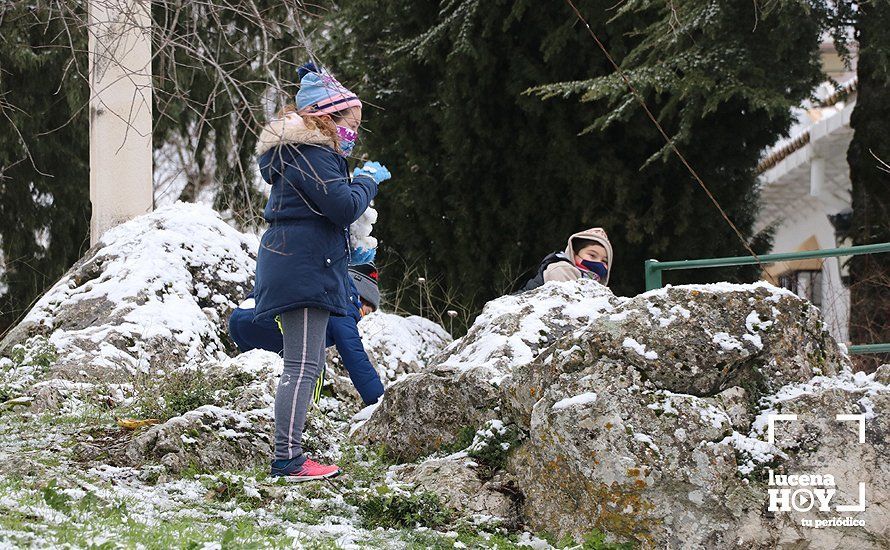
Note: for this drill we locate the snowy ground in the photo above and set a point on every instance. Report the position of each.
(59, 487)
(134, 331)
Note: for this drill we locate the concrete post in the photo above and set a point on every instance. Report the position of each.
(120, 112)
(817, 176)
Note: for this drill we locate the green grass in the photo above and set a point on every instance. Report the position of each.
(464, 439)
(48, 516)
(395, 510)
(185, 390)
(595, 540)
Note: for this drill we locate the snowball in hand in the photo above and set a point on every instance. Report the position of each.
(373, 170)
(363, 245)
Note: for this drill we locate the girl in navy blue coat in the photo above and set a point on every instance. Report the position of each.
(301, 264)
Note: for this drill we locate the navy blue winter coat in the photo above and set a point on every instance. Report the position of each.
(303, 254)
(342, 332)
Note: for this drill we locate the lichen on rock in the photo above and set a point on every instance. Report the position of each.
(645, 417)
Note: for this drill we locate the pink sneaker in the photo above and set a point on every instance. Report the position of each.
(312, 470)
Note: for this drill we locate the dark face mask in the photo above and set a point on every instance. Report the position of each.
(597, 268)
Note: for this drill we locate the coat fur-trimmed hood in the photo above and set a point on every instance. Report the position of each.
(595, 234)
(290, 129)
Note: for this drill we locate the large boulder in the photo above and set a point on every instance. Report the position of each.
(757, 337)
(667, 469)
(459, 390)
(647, 419)
(153, 292)
(232, 427)
(696, 339)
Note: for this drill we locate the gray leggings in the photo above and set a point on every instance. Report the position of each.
(304, 338)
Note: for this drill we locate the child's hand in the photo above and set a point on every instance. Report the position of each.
(373, 170)
(360, 256)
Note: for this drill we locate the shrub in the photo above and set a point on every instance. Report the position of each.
(26, 363)
(400, 509)
(492, 445)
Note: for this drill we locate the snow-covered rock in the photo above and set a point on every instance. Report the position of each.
(424, 411)
(645, 418)
(155, 292)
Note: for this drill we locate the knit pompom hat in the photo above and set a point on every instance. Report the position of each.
(321, 94)
(365, 277)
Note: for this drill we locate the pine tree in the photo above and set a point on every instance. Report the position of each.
(489, 178)
(214, 70)
(44, 153)
(869, 159)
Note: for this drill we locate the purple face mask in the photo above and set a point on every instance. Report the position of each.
(347, 139)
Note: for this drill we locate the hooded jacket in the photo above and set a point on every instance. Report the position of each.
(566, 271)
(303, 254)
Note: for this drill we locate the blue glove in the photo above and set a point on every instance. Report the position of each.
(373, 170)
(361, 256)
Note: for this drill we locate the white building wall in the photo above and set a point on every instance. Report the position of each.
(809, 220)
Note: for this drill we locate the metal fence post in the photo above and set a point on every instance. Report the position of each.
(653, 275)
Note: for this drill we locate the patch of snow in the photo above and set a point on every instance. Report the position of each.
(675, 312)
(512, 330)
(399, 341)
(583, 399)
(754, 451)
(754, 339)
(775, 292)
(645, 438)
(620, 316)
(727, 342)
(526, 539)
(754, 324)
(708, 413)
(365, 413)
(630, 343)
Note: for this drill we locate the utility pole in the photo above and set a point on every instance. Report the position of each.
(120, 112)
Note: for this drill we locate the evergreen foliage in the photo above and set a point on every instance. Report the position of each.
(489, 177)
(869, 159)
(214, 70)
(44, 152)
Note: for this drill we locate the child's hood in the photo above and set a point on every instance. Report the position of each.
(597, 234)
(290, 129)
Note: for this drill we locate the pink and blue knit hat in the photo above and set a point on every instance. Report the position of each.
(321, 94)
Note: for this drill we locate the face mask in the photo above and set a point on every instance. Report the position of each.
(347, 139)
(599, 269)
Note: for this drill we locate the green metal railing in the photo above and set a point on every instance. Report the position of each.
(654, 268)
